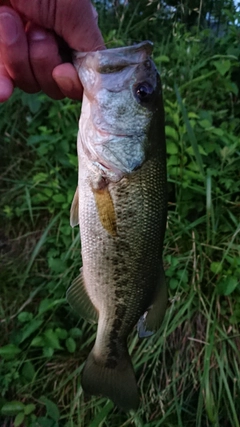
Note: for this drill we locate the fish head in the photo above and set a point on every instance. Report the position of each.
(122, 96)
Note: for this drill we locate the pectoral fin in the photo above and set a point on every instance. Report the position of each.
(106, 210)
(79, 300)
(151, 320)
(74, 218)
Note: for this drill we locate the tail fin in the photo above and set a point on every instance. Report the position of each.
(118, 384)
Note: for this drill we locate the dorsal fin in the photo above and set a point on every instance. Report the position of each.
(74, 218)
(106, 210)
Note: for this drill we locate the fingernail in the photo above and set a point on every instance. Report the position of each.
(8, 28)
(37, 35)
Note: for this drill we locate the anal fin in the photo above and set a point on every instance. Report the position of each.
(152, 319)
(74, 218)
(79, 300)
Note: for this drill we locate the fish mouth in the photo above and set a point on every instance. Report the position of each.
(112, 60)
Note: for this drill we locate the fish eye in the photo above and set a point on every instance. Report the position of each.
(144, 92)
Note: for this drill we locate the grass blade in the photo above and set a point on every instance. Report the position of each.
(102, 415)
(38, 248)
(190, 132)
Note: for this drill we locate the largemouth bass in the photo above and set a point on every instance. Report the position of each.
(120, 205)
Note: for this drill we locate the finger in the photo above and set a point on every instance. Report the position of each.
(67, 79)
(14, 50)
(85, 35)
(75, 21)
(6, 83)
(5, 3)
(44, 57)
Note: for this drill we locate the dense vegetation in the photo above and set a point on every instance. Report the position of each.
(188, 373)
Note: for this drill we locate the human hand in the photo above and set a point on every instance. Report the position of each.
(29, 45)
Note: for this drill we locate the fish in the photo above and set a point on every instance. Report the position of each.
(120, 205)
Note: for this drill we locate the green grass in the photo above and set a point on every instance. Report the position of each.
(188, 373)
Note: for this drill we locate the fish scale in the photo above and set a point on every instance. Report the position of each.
(122, 216)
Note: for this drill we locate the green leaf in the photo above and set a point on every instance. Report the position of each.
(162, 58)
(217, 131)
(182, 275)
(32, 101)
(61, 333)
(52, 409)
(40, 177)
(56, 264)
(71, 345)
(25, 316)
(48, 351)
(75, 333)
(173, 283)
(28, 371)
(38, 342)
(223, 66)
(30, 328)
(216, 267)
(227, 285)
(171, 133)
(19, 419)
(73, 159)
(232, 87)
(9, 351)
(59, 198)
(172, 148)
(205, 123)
(235, 318)
(192, 115)
(45, 305)
(176, 119)
(51, 339)
(12, 408)
(29, 408)
(190, 151)
(173, 160)
(48, 192)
